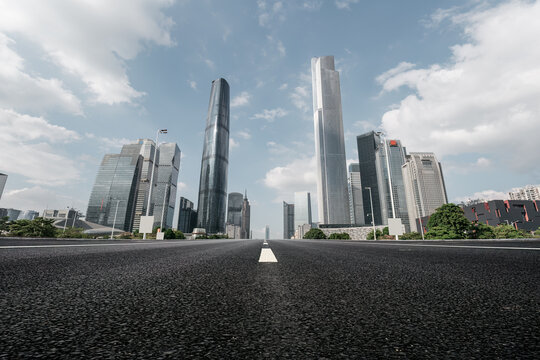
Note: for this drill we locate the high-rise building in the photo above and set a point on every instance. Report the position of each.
(333, 197)
(529, 192)
(28, 215)
(147, 149)
(187, 216)
(12, 214)
(424, 186)
(380, 163)
(3, 179)
(302, 208)
(234, 209)
(267, 232)
(246, 219)
(288, 220)
(215, 161)
(114, 193)
(164, 194)
(355, 195)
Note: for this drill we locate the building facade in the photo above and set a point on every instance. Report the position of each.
(233, 231)
(28, 215)
(115, 190)
(522, 214)
(529, 192)
(356, 203)
(11, 214)
(368, 146)
(164, 194)
(215, 161)
(302, 209)
(245, 232)
(333, 197)
(424, 186)
(288, 220)
(3, 180)
(234, 208)
(267, 232)
(187, 216)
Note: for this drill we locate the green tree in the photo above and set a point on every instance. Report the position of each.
(315, 234)
(179, 235)
(482, 231)
(341, 236)
(169, 234)
(72, 233)
(450, 222)
(39, 227)
(4, 224)
(508, 232)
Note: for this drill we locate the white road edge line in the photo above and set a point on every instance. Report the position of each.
(267, 256)
(83, 245)
(460, 246)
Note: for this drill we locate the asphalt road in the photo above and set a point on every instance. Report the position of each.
(321, 299)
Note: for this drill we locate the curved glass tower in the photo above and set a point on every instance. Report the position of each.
(212, 203)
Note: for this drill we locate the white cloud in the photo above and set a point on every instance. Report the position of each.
(312, 5)
(485, 195)
(345, 4)
(233, 143)
(181, 186)
(301, 97)
(483, 162)
(277, 45)
(244, 134)
(270, 13)
(91, 40)
(39, 198)
(241, 100)
(192, 84)
(23, 149)
(283, 86)
(298, 175)
(485, 99)
(209, 63)
(270, 115)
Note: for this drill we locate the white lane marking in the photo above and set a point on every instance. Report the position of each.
(460, 246)
(83, 245)
(267, 256)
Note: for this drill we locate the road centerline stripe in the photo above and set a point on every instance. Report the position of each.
(267, 255)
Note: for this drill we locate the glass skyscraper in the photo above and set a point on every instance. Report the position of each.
(234, 208)
(215, 161)
(288, 220)
(368, 146)
(187, 216)
(115, 191)
(355, 195)
(164, 194)
(3, 179)
(333, 197)
(245, 232)
(302, 209)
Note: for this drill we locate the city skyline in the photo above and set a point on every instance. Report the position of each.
(431, 79)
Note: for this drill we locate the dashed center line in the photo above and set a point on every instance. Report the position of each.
(267, 255)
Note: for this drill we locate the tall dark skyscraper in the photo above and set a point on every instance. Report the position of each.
(288, 220)
(215, 161)
(234, 209)
(368, 145)
(246, 215)
(164, 195)
(187, 216)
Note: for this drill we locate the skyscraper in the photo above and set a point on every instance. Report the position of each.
(267, 232)
(115, 191)
(529, 192)
(164, 194)
(234, 208)
(333, 197)
(246, 219)
(355, 195)
(215, 161)
(187, 216)
(302, 208)
(3, 179)
(424, 186)
(380, 163)
(146, 148)
(288, 220)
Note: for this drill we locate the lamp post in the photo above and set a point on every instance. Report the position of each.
(372, 214)
(114, 221)
(160, 131)
(74, 218)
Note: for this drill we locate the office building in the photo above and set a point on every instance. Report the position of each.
(380, 163)
(288, 220)
(424, 186)
(113, 197)
(147, 149)
(164, 194)
(28, 215)
(3, 180)
(302, 208)
(233, 231)
(267, 232)
(529, 192)
(246, 218)
(11, 214)
(333, 197)
(187, 216)
(215, 161)
(521, 214)
(356, 204)
(234, 208)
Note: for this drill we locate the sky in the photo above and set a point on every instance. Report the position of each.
(78, 79)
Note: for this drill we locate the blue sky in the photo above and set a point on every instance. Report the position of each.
(79, 79)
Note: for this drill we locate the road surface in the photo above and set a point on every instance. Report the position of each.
(305, 299)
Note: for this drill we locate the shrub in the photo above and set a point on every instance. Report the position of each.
(411, 236)
(448, 222)
(315, 234)
(340, 236)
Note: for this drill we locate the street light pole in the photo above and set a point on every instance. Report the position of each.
(160, 131)
(114, 221)
(74, 217)
(163, 208)
(372, 214)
